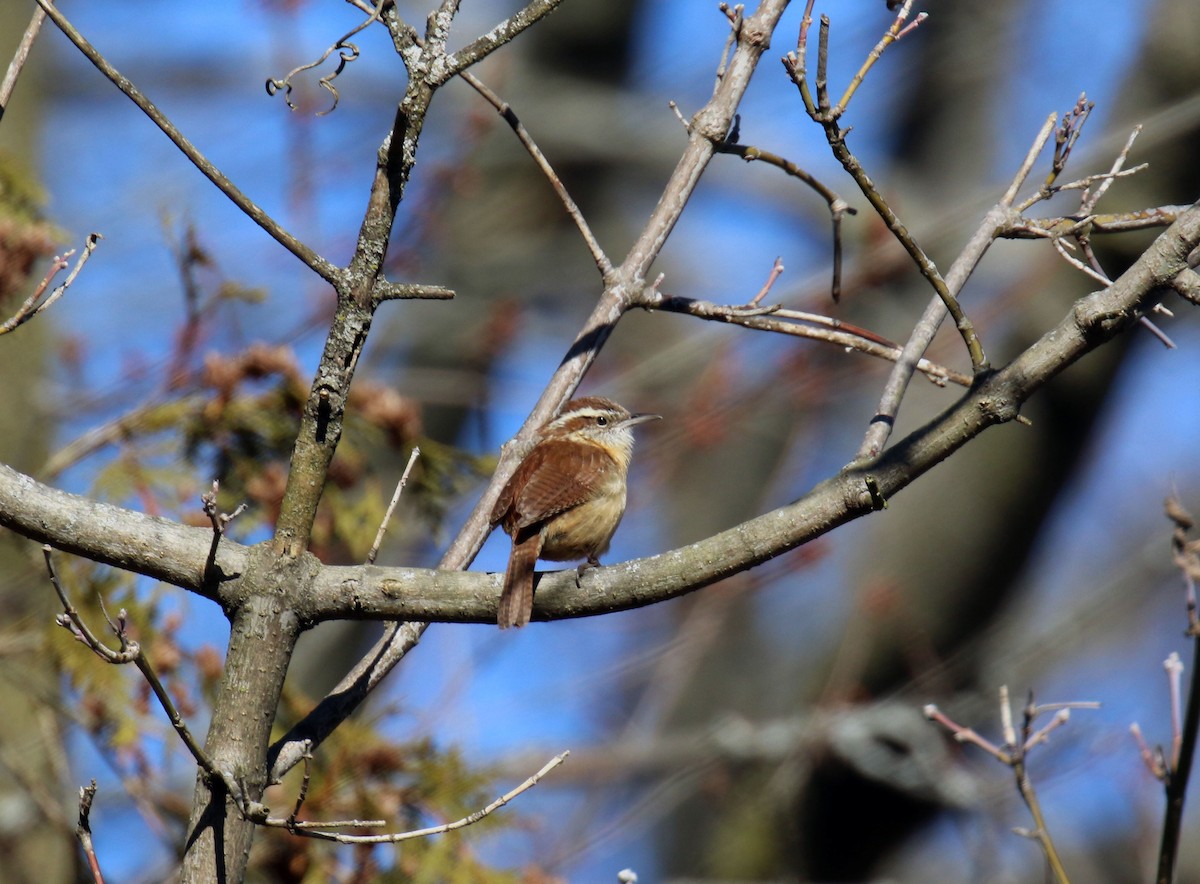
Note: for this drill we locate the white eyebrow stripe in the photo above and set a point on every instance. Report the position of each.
(572, 415)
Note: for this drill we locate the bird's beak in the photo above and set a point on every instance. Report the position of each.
(640, 419)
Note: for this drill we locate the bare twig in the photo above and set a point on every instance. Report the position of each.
(313, 828)
(1174, 669)
(315, 262)
(131, 652)
(1185, 724)
(219, 519)
(1153, 759)
(897, 30)
(603, 264)
(73, 622)
(1013, 753)
(1111, 222)
(776, 271)
(804, 325)
(828, 118)
(387, 516)
(32, 307)
(998, 217)
(1065, 137)
(1061, 247)
(1082, 223)
(347, 52)
(963, 734)
(83, 830)
(219, 522)
(838, 207)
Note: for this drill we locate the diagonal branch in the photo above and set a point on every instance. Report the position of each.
(1092, 321)
(311, 259)
(708, 127)
(603, 264)
(931, 320)
(828, 118)
(20, 56)
(455, 63)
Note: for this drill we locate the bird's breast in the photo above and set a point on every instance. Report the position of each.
(585, 530)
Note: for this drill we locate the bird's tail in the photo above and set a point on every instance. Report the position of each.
(516, 600)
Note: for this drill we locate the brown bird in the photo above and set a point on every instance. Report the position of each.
(567, 497)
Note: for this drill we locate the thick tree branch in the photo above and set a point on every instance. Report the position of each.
(116, 536)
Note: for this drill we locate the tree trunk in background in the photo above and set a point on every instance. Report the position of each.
(38, 817)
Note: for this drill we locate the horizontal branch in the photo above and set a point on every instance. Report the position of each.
(413, 594)
(802, 325)
(1105, 222)
(116, 536)
(175, 553)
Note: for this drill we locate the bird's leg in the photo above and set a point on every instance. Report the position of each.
(592, 562)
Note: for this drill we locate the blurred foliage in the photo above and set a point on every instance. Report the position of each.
(24, 235)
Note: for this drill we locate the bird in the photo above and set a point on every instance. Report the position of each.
(566, 497)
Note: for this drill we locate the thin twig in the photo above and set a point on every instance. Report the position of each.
(1061, 247)
(72, 621)
(1108, 222)
(311, 259)
(838, 207)
(1153, 759)
(312, 828)
(963, 734)
(828, 118)
(603, 264)
(893, 33)
(219, 522)
(83, 830)
(32, 307)
(776, 271)
(1014, 752)
(737, 17)
(347, 52)
(387, 516)
(1174, 669)
(803, 325)
(998, 217)
(1186, 556)
(131, 652)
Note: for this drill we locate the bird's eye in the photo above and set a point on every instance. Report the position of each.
(602, 421)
